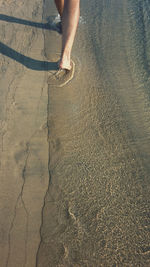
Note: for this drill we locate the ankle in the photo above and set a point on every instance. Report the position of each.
(65, 62)
(65, 55)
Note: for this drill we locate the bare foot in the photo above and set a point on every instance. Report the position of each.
(61, 77)
(65, 63)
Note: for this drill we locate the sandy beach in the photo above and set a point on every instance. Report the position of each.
(75, 160)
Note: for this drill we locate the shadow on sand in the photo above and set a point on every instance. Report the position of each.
(24, 60)
(47, 26)
(27, 61)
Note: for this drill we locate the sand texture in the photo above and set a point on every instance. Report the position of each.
(75, 160)
(23, 119)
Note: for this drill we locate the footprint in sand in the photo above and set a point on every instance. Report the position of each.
(61, 77)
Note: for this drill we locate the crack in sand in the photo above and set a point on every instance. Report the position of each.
(49, 173)
(20, 197)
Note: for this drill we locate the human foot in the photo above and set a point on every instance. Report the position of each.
(65, 63)
(62, 76)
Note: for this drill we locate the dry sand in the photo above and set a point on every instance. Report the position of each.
(75, 160)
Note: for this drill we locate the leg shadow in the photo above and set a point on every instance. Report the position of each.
(28, 62)
(50, 25)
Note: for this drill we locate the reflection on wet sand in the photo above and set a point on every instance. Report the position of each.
(97, 206)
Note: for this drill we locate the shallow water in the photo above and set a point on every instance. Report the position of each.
(96, 209)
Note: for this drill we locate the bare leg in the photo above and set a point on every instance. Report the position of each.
(60, 6)
(70, 18)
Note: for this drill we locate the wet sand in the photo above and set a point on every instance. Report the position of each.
(76, 159)
(23, 118)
